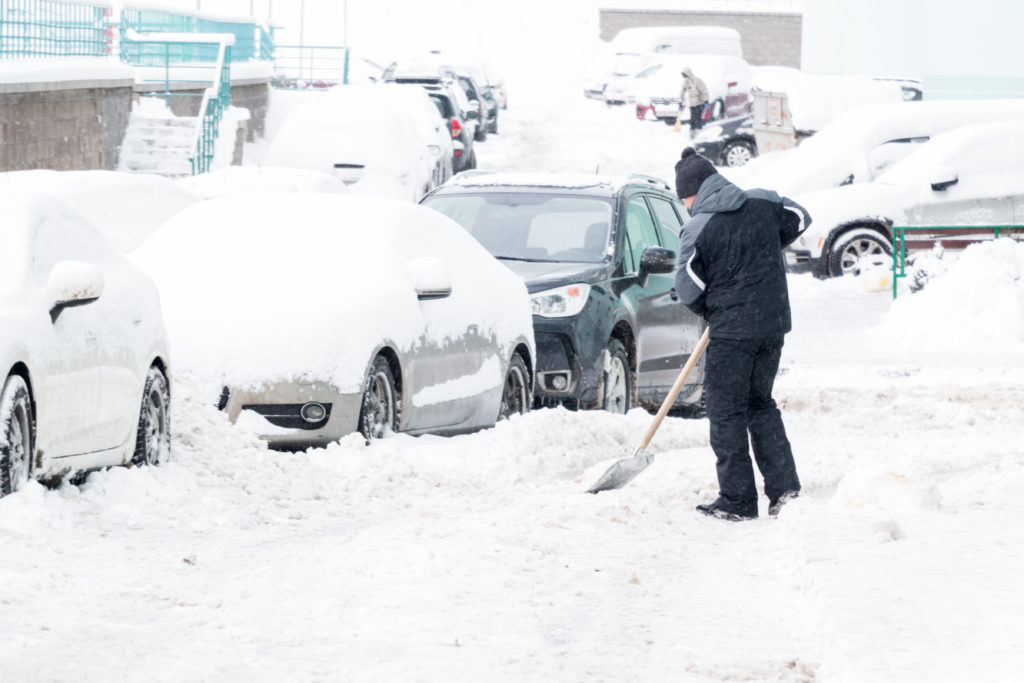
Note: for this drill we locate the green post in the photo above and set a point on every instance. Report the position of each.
(344, 78)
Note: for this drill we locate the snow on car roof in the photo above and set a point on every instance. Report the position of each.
(555, 181)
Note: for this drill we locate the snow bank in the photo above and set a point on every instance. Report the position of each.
(261, 180)
(977, 306)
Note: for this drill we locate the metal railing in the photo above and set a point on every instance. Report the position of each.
(55, 28)
(253, 40)
(216, 100)
(310, 66)
(923, 236)
(177, 57)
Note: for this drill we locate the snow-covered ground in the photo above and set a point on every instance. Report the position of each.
(480, 557)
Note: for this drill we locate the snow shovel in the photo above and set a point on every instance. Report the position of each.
(623, 471)
(678, 126)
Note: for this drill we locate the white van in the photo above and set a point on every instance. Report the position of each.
(633, 49)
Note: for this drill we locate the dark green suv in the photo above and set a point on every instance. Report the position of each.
(597, 255)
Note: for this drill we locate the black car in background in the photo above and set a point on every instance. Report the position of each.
(597, 255)
(729, 142)
(461, 120)
(486, 107)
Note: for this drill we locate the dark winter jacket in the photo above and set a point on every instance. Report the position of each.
(731, 268)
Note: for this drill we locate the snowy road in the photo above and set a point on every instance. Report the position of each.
(479, 557)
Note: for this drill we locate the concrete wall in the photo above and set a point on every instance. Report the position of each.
(768, 37)
(71, 125)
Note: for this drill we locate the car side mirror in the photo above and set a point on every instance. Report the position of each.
(472, 114)
(429, 278)
(657, 261)
(73, 283)
(943, 177)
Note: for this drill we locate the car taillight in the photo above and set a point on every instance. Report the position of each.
(456, 128)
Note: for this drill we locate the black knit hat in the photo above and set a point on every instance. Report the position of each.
(691, 171)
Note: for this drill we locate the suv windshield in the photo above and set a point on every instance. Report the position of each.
(533, 227)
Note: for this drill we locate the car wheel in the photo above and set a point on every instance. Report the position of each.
(717, 110)
(616, 389)
(153, 437)
(378, 415)
(515, 397)
(17, 427)
(738, 153)
(481, 133)
(858, 250)
(471, 162)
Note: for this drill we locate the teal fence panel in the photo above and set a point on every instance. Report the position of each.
(51, 28)
(252, 40)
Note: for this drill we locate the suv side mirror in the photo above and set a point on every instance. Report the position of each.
(943, 177)
(472, 114)
(656, 260)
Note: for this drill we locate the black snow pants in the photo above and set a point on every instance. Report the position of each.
(739, 376)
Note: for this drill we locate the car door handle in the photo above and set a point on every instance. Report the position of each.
(672, 294)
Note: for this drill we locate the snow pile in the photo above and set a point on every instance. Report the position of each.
(125, 207)
(977, 306)
(256, 181)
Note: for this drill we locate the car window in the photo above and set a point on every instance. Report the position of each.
(442, 104)
(60, 239)
(640, 231)
(540, 227)
(669, 223)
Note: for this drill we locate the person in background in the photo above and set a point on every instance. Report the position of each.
(730, 270)
(696, 92)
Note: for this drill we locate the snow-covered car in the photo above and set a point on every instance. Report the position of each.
(125, 207)
(597, 254)
(729, 142)
(656, 88)
(83, 350)
(857, 146)
(309, 317)
(372, 149)
(412, 103)
(973, 175)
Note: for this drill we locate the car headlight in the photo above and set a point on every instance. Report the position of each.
(561, 302)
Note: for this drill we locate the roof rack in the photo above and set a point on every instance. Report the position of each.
(653, 180)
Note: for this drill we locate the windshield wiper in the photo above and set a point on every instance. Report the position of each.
(523, 258)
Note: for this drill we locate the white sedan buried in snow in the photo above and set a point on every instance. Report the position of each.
(311, 317)
(972, 175)
(82, 349)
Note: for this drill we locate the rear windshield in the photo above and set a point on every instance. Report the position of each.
(443, 105)
(533, 227)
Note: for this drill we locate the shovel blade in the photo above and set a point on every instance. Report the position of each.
(622, 472)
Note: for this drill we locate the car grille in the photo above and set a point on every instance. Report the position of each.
(288, 415)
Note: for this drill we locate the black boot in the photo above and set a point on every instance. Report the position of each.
(723, 509)
(775, 505)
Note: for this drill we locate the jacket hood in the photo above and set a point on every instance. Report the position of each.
(717, 194)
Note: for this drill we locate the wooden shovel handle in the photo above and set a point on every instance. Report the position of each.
(666, 405)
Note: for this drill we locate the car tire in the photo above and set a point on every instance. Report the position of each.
(153, 436)
(515, 395)
(738, 153)
(378, 415)
(481, 133)
(854, 250)
(717, 110)
(616, 390)
(471, 162)
(17, 435)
